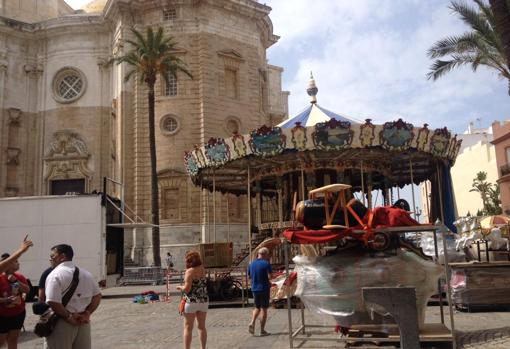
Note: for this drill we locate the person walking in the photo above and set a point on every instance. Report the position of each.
(12, 304)
(72, 330)
(197, 299)
(259, 272)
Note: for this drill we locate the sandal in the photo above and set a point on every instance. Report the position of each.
(251, 329)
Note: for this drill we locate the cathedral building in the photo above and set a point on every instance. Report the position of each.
(68, 118)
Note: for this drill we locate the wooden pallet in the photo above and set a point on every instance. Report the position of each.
(282, 303)
(430, 333)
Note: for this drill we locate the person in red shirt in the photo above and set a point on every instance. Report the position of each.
(12, 304)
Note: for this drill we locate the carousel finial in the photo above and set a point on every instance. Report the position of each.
(312, 89)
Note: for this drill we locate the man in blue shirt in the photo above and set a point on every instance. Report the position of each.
(259, 271)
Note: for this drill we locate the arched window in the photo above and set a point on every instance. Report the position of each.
(171, 85)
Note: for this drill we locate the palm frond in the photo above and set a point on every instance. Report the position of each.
(454, 44)
(440, 67)
(142, 43)
(473, 19)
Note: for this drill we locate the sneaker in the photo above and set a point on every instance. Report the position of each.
(263, 333)
(251, 329)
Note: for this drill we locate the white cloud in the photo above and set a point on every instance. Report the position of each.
(369, 60)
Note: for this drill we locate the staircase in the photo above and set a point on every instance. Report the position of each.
(245, 252)
(129, 263)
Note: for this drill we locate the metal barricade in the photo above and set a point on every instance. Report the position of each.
(143, 275)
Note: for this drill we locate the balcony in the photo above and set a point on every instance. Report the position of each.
(504, 170)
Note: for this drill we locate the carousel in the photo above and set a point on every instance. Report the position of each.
(277, 166)
(338, 167)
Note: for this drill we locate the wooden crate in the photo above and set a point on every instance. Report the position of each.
(217, 255)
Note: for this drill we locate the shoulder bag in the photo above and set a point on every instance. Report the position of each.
(47, 321)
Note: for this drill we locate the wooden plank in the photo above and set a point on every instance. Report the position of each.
(480, 264)
(428, 332)
(330, 188)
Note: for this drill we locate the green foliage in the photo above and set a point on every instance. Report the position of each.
(489, 194)
(481, 45)
(151, 55)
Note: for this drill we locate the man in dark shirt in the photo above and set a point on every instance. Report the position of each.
(259, 271)
(40, 307)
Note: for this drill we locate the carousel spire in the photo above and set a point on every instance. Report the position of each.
(312, 89)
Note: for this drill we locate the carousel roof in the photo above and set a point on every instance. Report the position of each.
(314, 113)
(395, 153)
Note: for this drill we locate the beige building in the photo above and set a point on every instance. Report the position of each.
(68, 119)
(476, 154)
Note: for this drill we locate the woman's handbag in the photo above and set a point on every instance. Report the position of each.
(182, 305)
(47, 322)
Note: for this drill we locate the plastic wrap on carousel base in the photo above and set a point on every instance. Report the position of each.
(332, 285)
(427, 245)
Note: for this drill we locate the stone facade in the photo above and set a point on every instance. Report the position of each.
(68, 118)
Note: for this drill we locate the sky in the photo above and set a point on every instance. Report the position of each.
(369, 60)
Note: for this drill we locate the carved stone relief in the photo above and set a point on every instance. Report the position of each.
(12, 156)
(67, 157)
(14, 117)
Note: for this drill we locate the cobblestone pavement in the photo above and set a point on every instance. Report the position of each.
(119, 323)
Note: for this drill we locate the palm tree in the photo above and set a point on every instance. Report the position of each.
(152, 55)
(481, 45)
(480, 185)
(501, 10)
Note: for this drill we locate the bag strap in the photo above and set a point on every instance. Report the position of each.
(74, 284)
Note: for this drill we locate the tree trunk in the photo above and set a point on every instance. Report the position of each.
(502, 16)
(154, 179)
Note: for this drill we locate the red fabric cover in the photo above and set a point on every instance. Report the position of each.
(18, 306)
(313, 236)
(388, 216)
(385, 216)
(291, 279)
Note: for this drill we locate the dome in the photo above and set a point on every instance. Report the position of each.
(94, 6)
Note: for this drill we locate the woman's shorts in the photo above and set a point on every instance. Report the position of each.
(191, 308)
(11, 323)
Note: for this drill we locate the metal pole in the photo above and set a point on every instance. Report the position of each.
(412, 186)
(214, 205)
(248, 191)
(427, 199)
(302, 183)
(440, 193)
(362, 184)
(280, 208)
(448, 289)
(289, 310)
(228, 219)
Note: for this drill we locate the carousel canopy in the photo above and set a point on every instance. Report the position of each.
(313, 115)
(319, 143)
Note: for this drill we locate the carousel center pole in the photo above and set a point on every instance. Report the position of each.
(248, 191)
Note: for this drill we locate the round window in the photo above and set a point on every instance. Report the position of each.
(169, 124)
(232, 125)
(68, 85)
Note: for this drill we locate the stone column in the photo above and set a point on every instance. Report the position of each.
(32, 164)
(3, 123)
